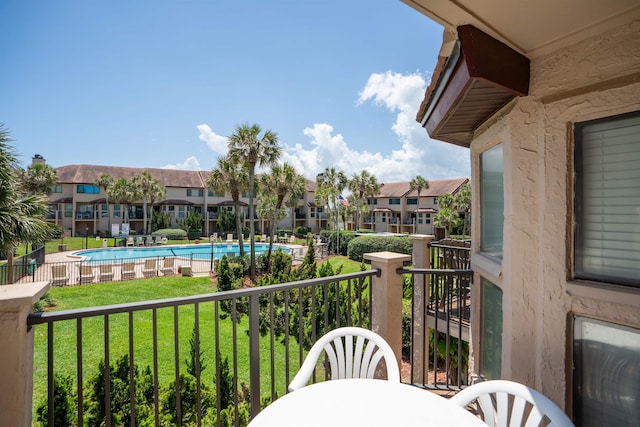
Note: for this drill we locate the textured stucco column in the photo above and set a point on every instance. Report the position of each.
(386, 294)
(16, 357)
(420, 353)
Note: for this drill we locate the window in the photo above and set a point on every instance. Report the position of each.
(607, 196)
(420, 218)
(313, 212)
(116, 211)
(372, 201)
(104, 211)
(68, 211)
(195, 192)
(490, 330)
(427, 218)
(412, 201)
(56, 188)
(87, 189)
(606, 374)
(394, 201)
(213, 193)
(491, 201)
(435, 200)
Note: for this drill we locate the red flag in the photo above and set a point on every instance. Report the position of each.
(343, 200)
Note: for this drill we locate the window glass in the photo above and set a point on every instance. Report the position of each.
(56, 188)
(490, 330)
(491, 201)
(87, 189)
(412, 201)
(606, 374)
(607, 196)
(394, 201)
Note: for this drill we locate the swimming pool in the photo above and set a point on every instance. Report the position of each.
(200, 251)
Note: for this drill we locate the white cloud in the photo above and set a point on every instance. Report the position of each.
(215, 142)
(416, 155)
(190, 164)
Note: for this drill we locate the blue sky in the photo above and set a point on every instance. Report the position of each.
(163, 83)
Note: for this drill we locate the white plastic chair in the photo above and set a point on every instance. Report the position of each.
(348, 359)
(504, 403)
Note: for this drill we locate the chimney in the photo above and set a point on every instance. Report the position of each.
(37, 159)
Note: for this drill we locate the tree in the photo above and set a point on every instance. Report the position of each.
(447, 218)
(105, 181)
(250, 146)
(462, 201)
(149, 189)
(230, 177)
(418, 184)
(362, 187)
(22, 217)
(284, 182)
(330, 184)
(123, 192)
(38, 179)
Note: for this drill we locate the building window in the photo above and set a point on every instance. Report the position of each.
(87, 189)
(490, 330)
(606, 374)
(435, 200)
(104, 211)
(312, 212)
(427, 218)
(68, 211)
(372, 201)
(56, 188)
(412, 201)
(394, 201)
(420, 218)
(213, 193)
(116, 211)
(491, 201)
(607, 196)
(195, 192)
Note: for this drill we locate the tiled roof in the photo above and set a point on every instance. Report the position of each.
(437, 187)
(88, 174)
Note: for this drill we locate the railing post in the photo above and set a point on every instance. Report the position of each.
(386, 296)
(420, 336)
(254, 353)
(16, 357)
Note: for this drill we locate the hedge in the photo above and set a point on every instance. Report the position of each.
(364, 244)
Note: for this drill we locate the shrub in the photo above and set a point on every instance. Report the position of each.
(331, 236)
(171, 233)
(301, 231)
(64, 403)
(364, 244)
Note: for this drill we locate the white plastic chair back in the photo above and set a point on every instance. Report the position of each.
(507, 403)
(352, 353)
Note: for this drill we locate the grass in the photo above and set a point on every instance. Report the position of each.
(93, 332)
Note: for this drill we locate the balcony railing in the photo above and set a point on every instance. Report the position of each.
(251, 343)
(257, 338)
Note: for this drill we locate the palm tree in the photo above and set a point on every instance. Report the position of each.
(22, 217)
(283, 182)
(156, 192)
(38, 179)
(418, 183)
(446, 218)
(123, 192)
(104, 181)
(148, 187)
(462, 201)
(330, 184)
(248, 146)
(230, 177)
(362, 187)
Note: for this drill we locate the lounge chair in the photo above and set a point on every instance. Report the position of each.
(106, 273)
(229, 238)
(128, 270)
(86, 274)
(59, 275)
(163, 240)
(130, 241)
(150, 268)
(168, 266)
(263, 238)
(140, 241)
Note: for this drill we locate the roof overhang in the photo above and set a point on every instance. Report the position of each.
(479, 77)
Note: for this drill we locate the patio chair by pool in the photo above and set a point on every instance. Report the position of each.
(86, 274)
(150, 268)
(59, 275)
(263, 238)
(348, 359)
(229, 238)
(140, 241)
(163, 240)
(106, 273)
(130, 241)
(128, 270)
(168, 266)
(499, 401)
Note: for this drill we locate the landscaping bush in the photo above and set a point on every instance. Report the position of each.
(301, 232)
(171, 233)
(361, 245)
(331, 237)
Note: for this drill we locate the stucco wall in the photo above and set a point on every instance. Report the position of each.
(592, 79)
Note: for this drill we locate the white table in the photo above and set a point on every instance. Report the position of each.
(362, 402)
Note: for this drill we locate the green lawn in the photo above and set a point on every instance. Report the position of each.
(65, 333)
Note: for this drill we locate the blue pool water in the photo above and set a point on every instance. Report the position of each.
(200, 251)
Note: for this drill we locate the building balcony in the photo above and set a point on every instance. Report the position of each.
(251, 340)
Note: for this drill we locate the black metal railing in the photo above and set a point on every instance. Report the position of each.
(125, 363)
(23, 268)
